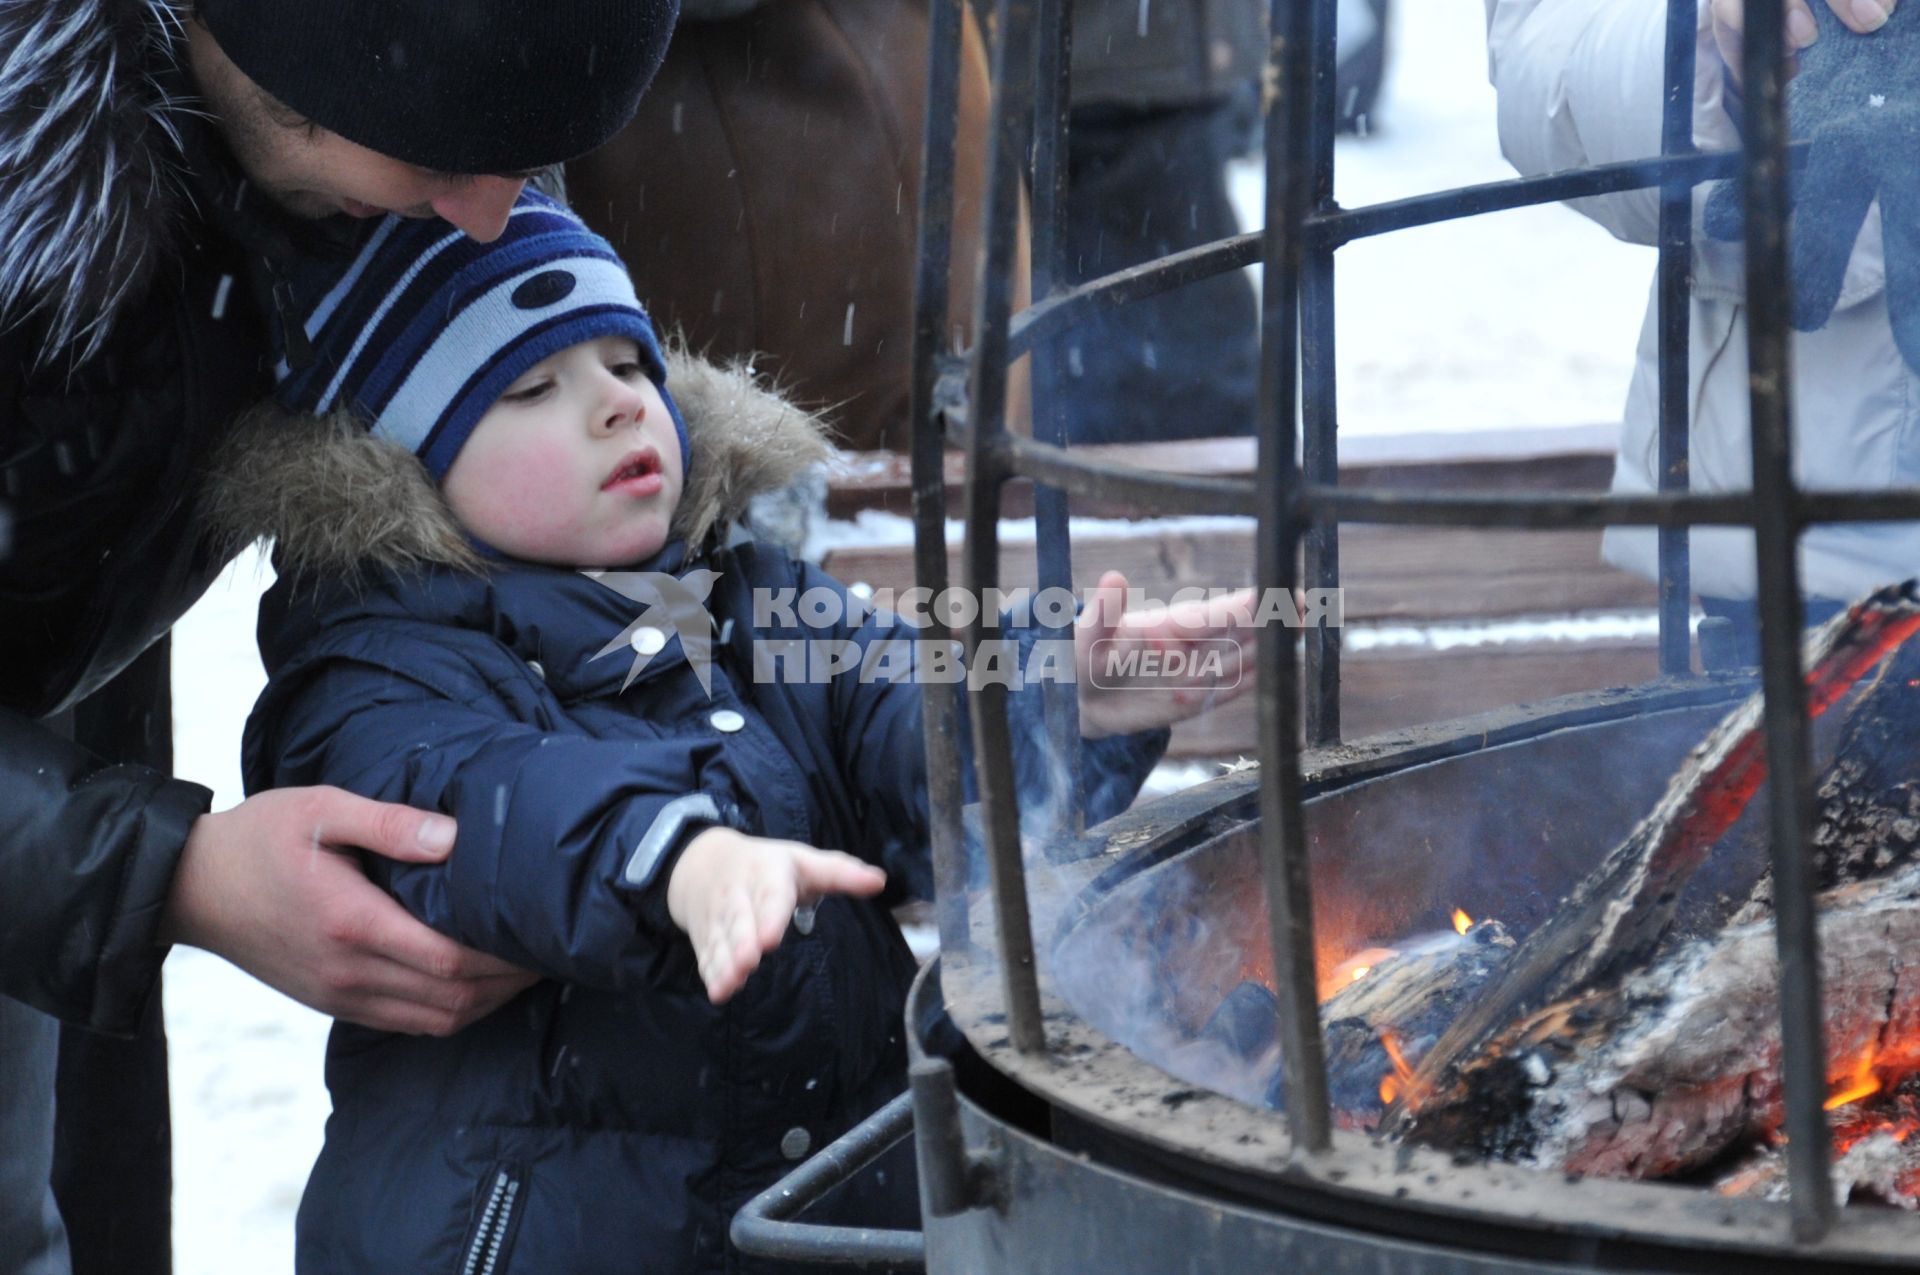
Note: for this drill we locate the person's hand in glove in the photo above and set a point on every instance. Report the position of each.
(1728, 19)
(1856, 101)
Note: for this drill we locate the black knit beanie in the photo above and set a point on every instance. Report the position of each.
(458, 86)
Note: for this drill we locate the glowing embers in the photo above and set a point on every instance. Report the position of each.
(1363, 962)
(1876, 1155)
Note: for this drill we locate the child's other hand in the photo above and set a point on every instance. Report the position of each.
(734, 895)
(1198, 654)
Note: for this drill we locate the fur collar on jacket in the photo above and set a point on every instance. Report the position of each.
(338, 502)
(92, 166)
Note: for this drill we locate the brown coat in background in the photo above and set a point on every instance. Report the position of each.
(764, 198)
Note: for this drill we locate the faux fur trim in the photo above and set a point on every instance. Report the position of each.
(332, 497)
(91, 161)
(746, 440)
(338, 502)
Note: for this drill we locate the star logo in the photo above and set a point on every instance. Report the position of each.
(672, 605)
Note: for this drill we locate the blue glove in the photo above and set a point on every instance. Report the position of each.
(1856, 101)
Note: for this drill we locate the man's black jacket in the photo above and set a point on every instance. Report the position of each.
(130, 336)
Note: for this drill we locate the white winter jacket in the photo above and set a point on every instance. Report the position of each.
(1579, 82)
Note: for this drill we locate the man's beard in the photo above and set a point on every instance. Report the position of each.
(302, 203)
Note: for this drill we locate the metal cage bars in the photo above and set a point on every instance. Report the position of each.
(1777, 526)
(1296, 496)
(940, 711)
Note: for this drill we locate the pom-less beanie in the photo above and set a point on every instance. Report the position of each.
(475, 86)
(427, 328)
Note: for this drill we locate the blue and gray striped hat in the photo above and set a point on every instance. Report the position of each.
(427, 328)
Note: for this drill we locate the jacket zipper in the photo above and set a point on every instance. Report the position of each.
(483, 1254)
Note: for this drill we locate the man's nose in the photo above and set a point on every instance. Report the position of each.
(481, 206)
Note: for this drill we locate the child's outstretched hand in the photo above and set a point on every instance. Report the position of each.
(734, 895)
(1138, 671)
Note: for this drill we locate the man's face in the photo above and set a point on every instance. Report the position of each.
(315, 173)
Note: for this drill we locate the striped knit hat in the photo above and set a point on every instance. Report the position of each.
(427, 328)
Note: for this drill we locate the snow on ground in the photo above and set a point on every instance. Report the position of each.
(248, 1100)
(1522, 319)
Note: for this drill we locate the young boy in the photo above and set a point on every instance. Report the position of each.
(639, 803)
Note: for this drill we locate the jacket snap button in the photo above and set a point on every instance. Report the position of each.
(539, 669)
(648, 641)
(727, 721)
(795, 1143)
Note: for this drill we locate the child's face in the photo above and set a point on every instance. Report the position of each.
(577, 465)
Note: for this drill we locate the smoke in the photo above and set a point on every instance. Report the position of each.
(1154, 956)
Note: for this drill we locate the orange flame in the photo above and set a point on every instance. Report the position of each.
(1461, 922)
(1855, 1090)
(1860, 1084)
(1401, 1074)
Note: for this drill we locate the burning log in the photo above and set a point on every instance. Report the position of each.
(1665, 1070)
(1867, 811)
(1381, 1016)
(1572, 979)
(1379, 1025)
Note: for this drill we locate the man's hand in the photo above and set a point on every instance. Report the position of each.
(1729, 22)
(272, 885)
(1212, 637)
(734, 895)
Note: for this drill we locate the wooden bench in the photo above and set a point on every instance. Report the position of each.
(1406, 583)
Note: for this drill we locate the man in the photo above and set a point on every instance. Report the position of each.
(158, 178)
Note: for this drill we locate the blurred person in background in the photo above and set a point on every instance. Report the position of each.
(1158, 108)
(1581, 82)
(759, 99)
(1164, 96)
(766, 198)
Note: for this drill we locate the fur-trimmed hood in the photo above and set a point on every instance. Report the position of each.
(92, 160)
(338, 502)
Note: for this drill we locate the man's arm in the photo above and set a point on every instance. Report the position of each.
(274, 886)
(90, 896)
(1581, 82)
(87, 852)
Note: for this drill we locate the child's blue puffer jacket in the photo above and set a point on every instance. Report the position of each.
(610, 1119)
